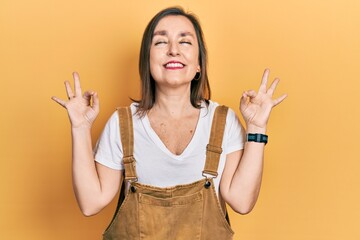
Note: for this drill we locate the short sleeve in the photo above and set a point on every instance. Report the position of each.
(108, 150)
(234, 133)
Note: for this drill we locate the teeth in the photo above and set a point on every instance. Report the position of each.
(174, 65)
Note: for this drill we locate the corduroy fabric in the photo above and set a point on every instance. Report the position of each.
(190, 211)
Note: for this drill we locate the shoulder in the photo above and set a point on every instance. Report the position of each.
(115, 116)
(211, 107)
(134, 108)
(114, 120)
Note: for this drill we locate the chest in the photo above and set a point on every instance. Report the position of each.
(176, 134)
(156, 166)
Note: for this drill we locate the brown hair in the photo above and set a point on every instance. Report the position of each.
(200, 89)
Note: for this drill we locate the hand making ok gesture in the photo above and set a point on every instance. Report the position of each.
(256, 106)
(82, 108)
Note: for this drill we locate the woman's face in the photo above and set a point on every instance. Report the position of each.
(174, 52)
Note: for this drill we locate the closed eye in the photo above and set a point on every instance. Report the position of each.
(160, 42)
(186, 42)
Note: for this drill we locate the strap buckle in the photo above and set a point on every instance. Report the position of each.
(130, 174)
(214, 149)
(128, 159)
(209, 174)
(131, 179)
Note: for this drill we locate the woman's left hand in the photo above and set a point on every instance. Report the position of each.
(256, 107)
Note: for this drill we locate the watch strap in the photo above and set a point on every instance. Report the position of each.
(257, 137)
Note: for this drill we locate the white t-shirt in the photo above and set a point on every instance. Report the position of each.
(155, 164)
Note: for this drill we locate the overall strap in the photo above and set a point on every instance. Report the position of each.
(213, 149)
(127, 140)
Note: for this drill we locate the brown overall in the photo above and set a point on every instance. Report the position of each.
(189, 212)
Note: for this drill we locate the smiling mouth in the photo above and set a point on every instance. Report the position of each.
(174, 65)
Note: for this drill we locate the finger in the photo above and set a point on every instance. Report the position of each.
(243, 99)
(264, 81)
(88, 95)
(279, 99)
(273, 86)
(96, 102)
(95, 99)
(59, 101)
(250, 93)
(77, 84)
(69, 91)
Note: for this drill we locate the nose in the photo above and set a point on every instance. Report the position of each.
(173, 50)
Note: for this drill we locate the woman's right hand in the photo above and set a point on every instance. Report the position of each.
(82, 108)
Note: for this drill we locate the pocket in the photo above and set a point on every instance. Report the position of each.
(222, 218)
(216, 217)
(177, 218)
(170, 201)
(118, 221)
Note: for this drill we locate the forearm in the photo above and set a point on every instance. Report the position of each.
(86, 182)
(246, 181)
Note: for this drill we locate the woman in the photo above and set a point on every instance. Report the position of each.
(175, 180)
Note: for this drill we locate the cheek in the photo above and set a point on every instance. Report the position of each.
(155, 67)
(193, 56)
(153, 61)
(152, 70)
(195, 62)
(156, 57)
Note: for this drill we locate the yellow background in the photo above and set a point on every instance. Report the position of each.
(311, 182)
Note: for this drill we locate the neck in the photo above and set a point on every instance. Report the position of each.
(174, 104)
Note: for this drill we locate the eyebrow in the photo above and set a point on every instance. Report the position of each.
(184, 34)
(161, 33)
(164, 33)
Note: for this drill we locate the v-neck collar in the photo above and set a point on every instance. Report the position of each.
(191, 145)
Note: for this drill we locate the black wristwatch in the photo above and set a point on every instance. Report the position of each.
(257, 137)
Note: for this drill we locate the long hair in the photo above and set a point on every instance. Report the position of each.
(200, 88)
